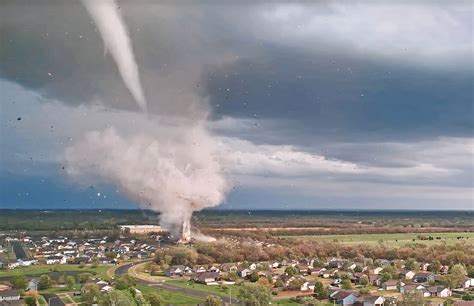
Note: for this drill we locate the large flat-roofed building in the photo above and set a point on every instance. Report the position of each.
(142, 229)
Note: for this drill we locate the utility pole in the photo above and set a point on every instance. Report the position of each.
(230, 295)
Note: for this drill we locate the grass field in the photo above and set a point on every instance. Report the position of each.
(222, 291)
(100, 271)
(171, 297)
(391, 239)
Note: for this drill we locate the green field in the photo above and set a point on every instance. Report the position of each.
(171, 297)
(391, 239)
(100, 271)
(222, 291)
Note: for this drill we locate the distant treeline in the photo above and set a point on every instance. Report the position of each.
(31, 220)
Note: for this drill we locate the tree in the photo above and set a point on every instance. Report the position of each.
(70, 281)
(278, 284)
(386, 276)
(118, 298)
(252, 294)
(30, 298)
(19, 282)
(254, 277)
(364, 280)
(124, 282)
(44, 282)
(291, 271)
(296, 284)
(90, 294)
(264, 282)
(320, 291)
(84, 277)
(213, 300)
(412, 299)
(346, 284)
(435, 266)
(153, 298)
(410, 264)
(456, 276)
(364, 290)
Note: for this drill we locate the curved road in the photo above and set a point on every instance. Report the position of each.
(122, 270)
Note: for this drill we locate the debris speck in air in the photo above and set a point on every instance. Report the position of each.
(98, 194)
(50, 74)
(19, 118)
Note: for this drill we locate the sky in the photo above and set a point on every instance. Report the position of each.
(343, 105)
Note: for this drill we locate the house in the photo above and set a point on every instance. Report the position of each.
(468, 282)
(344, 297)
(329, 273)
(444, 269)
(253, 266)
(383, 262)
(303, 269)
(390, 285)
(406, 274)
(334, 263)
(424, 277)
(55, 260)
(414, 288)
(308, 286)
(372, 300)
(174, 271)
(214, 269)
(375, 270)
(206, 277)
(375, 279)
(245, 272)
(424, 266)
(10, 295)
(106, 289)
(275, 265)
(199, 269)
(316, 270)
(26, 262)
(439, 291)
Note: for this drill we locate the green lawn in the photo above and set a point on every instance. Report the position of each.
(42, 301)
(100, 271)
(77, 287)
(392, 239)
(67, 300)
(288, 302)
(222, 291)
(171, 297)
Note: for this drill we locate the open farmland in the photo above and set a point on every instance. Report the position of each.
(393, 239)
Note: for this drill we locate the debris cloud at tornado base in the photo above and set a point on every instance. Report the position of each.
(174, 173)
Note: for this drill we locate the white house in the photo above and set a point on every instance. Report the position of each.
(245, 272)
(10, 295)
(373, 300)
(253, 266)
(27, 262)
(469, 282)
(307, 286)
(54, 260)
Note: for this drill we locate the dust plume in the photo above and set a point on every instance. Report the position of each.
(108, 20)
(175, 173)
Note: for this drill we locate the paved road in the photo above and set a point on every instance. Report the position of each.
(186, 291)
(52, 299)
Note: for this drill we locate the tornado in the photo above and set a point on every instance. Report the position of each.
(109, 22)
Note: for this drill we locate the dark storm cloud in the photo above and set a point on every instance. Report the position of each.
(336, 95)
